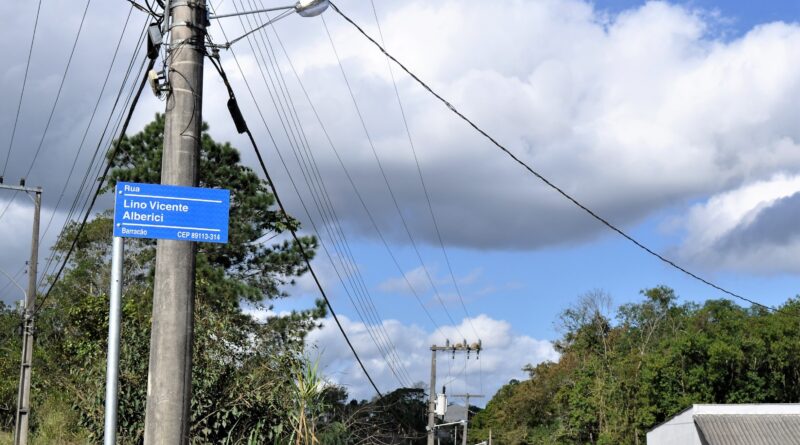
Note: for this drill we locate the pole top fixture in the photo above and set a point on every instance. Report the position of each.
(311, 8)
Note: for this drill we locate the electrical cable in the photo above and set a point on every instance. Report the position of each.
(75, 209)
(11, 281)
(52, 110)
(60, 86)
(542, 178)
(65, 187)
(325, 208)
(422, 179)
(308, 262)
(305, 255)
(346, 171)
(353, 185)
(436, 292)
(316, 230)
(22, 91)
(84, 182)
(299, 244)
(100, 182)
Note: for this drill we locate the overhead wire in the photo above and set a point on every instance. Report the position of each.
(302, 201)
(422, 180)
(544, 179)
(101, 180)
(55, 103)
(12, 279)
(77, 208)
(312, 176)
(296, 238)
(258, 154)
(351, 181)
(22, 91)
(60, 86)
(432, 282)
(65, 187)
(85, 181)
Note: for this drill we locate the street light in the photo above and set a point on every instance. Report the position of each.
(305, 8)
(311, 8)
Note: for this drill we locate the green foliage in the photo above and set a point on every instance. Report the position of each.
(10, 350)
(242, 375)
(398, 418)
(616, 380)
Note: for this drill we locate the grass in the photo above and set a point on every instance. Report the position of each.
(56, 425)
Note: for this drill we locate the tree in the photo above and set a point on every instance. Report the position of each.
(242, 373)
(614, 381)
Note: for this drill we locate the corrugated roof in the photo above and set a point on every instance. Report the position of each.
(749, 429)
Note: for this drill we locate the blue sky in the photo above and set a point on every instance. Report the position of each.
(675, 121)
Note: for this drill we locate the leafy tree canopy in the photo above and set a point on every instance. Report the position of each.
(618, 377)
(242, 377)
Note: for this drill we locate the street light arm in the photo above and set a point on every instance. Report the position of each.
(257, 11)
(271, 21)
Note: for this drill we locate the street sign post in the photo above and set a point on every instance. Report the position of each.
(162, 212)
(171, 212)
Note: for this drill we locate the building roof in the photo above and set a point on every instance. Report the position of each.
(749, 429)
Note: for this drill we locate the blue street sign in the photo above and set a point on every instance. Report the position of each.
(171, 212)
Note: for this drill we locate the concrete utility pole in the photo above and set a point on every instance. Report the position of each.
(432, 398)
(466, 398)
(459, 347)
(169, 382)
(24, 391)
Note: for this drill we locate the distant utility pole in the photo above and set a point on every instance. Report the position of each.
(458, 347)
(466, 398)
(24, 391)
(169, 383)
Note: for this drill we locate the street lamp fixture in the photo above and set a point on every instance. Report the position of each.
(311, 8)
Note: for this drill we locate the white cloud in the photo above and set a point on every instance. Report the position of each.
(752, 227)
(505, 353)
(630, 113)
(415, 280)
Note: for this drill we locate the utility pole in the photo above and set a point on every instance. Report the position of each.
(24, 391)
(169, 382)
(432, 398)
(466, 398)
(458, 347)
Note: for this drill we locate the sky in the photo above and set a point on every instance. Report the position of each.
(675, 121)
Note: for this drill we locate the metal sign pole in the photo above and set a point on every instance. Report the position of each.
(114, 319)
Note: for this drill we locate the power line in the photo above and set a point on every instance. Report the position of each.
(22, 92)
(422, 179)
(542, 178)
(89, 123)
(313, 179)
(11, 280)
(303, 252)
(388, 186)
(84, 183)
(53, 109)
(60, 86)
(308, 264)
(74, 209)
(353, 185)
(100, 182)
(283, 161)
